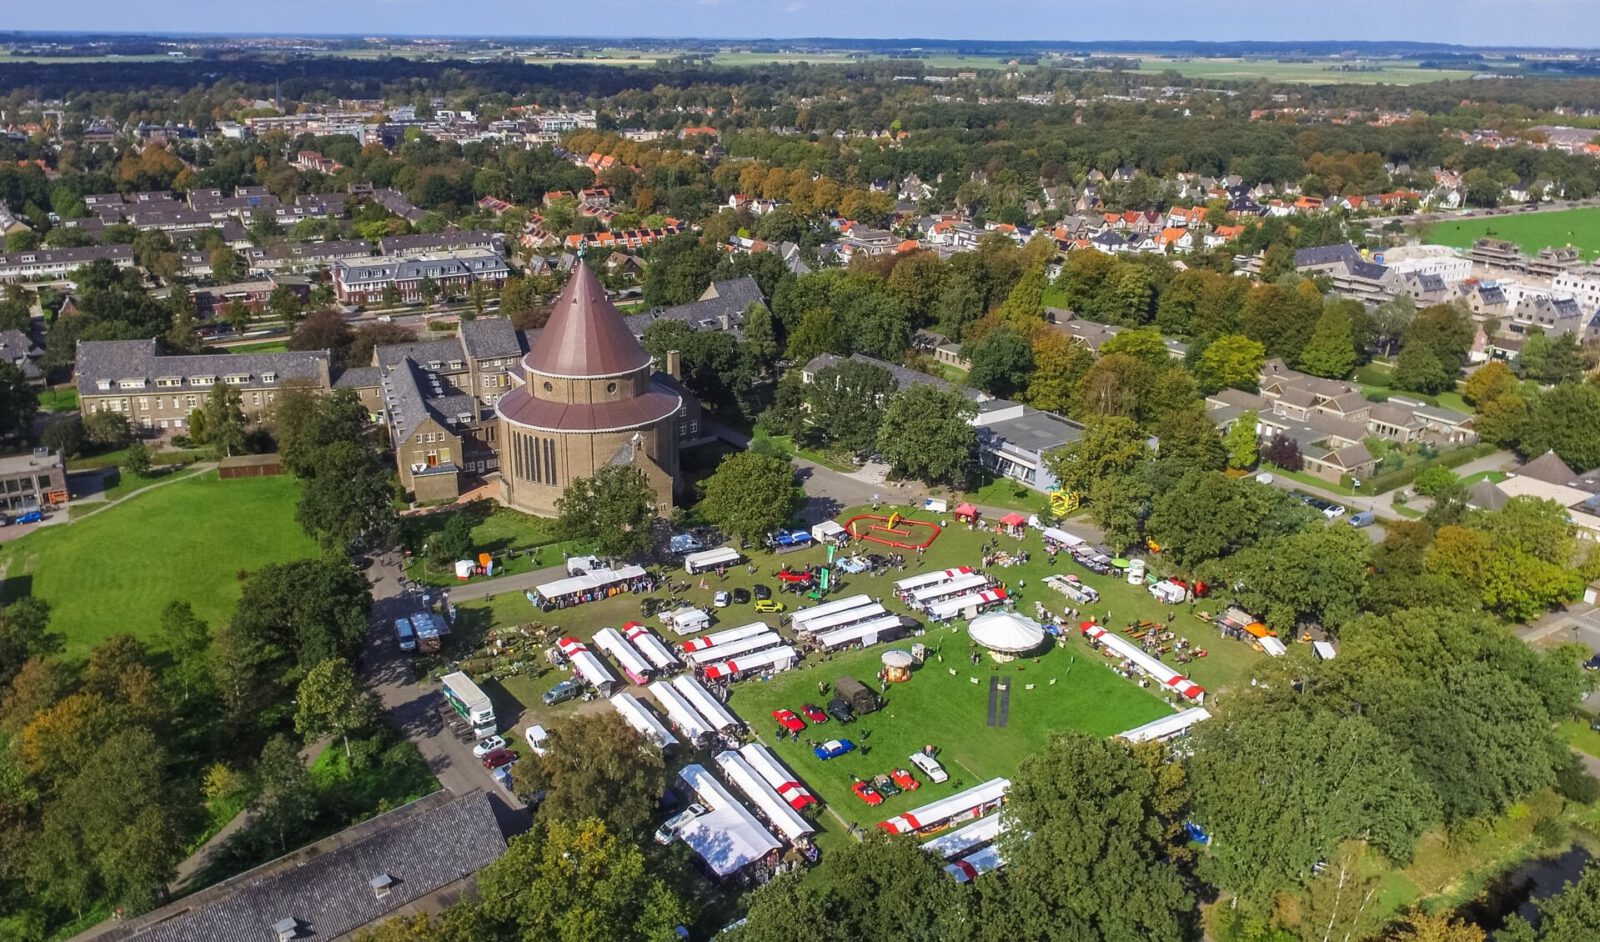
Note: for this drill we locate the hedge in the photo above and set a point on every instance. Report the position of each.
(1388, 481)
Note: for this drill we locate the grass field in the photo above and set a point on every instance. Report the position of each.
(497, 530)
(114, 571)
(1532, 231)
(1392, 72)
(936, 707)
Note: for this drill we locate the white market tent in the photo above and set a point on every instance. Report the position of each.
(925, 579)
(946, 609)
(828, 531)
(716, 715)
(685, 621)
(725, 637)
(1061, 537)
(1150, 664)
(723, 652)
(1272, 646)
(972, 866)
(960, 806)
(1007, 632)
(773, 659)
(695, 563)
(728, 837)
(841, 619)
(1323, 650)
(653, 648)
(785, 819)
(976, 834)
(800, 618)
(1168, 727)
(773, 773)
(957, 586)
(626, 655)
(866, 633)
(641, 719)
(591, 580)
(682, 715)
(588, 667)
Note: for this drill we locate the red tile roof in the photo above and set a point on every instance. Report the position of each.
(521, 408)
(586, 335)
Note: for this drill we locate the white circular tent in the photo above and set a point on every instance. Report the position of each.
(1006, 632)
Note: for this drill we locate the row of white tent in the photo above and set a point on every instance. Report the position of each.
(923, 580)
(640, 654)
(845, 622)
(731, 654)
(691, 708)
(1148, 663)
(972, 803)
(728, 837)
(966, 605)
(802, 620)
(1168, 727)
(961, 585)
(594, 580)
(970, 851)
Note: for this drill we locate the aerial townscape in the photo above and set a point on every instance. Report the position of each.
(518, 487)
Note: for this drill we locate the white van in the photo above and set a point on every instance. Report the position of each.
(405, 635)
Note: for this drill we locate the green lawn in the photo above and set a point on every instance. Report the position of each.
(935, 707)
(1318, 72)
(1532, 231)
(110, 459)
(114, 571)
(61, 399)
(833, 461)
(499, 531)
(1578, 734)
(1494, 477)
(1012, 495)
(265, 346)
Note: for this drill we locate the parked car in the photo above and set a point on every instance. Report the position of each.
(562, 692)
(814, 713)
(769, 606)
(741, 596)
(788, 720)
(905, 780)
(669, 831)
(1365, 518)
(538, 740)
(867, 793)
(499, 757)
(32, 516)
(487, 746)
(762, 592)
(721, 599)
(840, 710)
(930, 767)
(833, 749)
(1592, 664)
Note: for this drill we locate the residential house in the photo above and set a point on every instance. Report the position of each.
(453, 273)
(721, 307)
(36, 265)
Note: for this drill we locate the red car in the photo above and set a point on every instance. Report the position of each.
(814, 713)
(905, 780)
(499, 757)
(867, 793)
(788, 720)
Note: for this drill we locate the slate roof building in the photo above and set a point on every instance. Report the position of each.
(721, 307)
(589, 397)
(419, 857)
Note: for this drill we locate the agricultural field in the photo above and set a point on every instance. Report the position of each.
(1385, 71)
(936, 707)
(1532, 231)
(187, 540)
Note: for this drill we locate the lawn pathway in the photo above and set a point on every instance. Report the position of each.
(194, 469)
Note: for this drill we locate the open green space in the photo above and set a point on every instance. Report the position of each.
(832, 460)
(518, 542)
(1581, 736)
(60, 399)
(1314, 72)
(1579, 228)
(265, 346)
(935, 707)
(113, 571)
(158, 456)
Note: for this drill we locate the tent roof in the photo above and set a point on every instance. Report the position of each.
(966, 510)
(1006, 631)
(1013, 519)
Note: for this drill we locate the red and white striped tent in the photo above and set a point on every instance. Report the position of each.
(958, 807)
(1151, 665)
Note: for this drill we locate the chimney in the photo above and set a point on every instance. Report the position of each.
(673, 366)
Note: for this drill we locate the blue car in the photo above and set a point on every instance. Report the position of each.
(32, 516)
(833, 749)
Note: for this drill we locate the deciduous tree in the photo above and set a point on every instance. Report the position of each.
(614, 510)
(927, 434)
(334, 702)
(751, 495)
(597, 766)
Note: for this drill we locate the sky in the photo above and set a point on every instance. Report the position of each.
(1565, 23)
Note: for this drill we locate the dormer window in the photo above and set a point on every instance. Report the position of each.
(237, 379)
(269, 377)
(103, 384)
(202, 380)
(131, 384)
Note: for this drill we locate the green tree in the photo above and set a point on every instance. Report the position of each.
(846, 402)
(1115, 385)
(614, 510)
(285, 796)
(109, 430)
(348, 504)
(222, 420)
(1002, 362)
(1418, 370)
(226, 265)
(303, 613)
(751, 495)
(1023, 309)
(1231, 362)
(333, 702)
(927, 434)
(1332, 349)
(137, 459)
(428, 291)
(1111, 447)
(1562, 420)
(1144, 343)
(576, 881)
(184, 334)
(187, 640)
(1242, 441)
(1059, 364)
(306, 421)
(761, 338)
(1086, 821)
(1488, 383)
(1188, 439)
(1313, 577)
(65, 436)
(25, 633)
(453, 542)
(238, 316)
(18, 403)
(597, 766)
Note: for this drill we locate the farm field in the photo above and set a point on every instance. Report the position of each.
(1532, 231)
(113, 571)
(1392, 72)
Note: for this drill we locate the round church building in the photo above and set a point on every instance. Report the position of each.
(590, 397)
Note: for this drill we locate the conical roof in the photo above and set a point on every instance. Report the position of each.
(586, 336)
(1548, 468)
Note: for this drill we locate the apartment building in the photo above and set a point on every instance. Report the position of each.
(453, 273)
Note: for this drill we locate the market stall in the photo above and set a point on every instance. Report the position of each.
(727, 636)
(1013, 524)
(716, 715)
(1006, 633)
(830, 531)
(766, 764)
(800, 618)
(641, 719)
(975, 865)
(785, 819)
(967, 513)
(961, 585)
(679, 712)
(771, 660)
(707, 560)
(844, 619)
(866, 634)
(653, 648)
(625, 654)
(1168, 727)
(591, 585)
(961, 806)
(925, 579)
(963, 841)
(966, 606)
(722, 652)
(1146, 663)
(897, 665)
(727, 838)
(589, 668)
